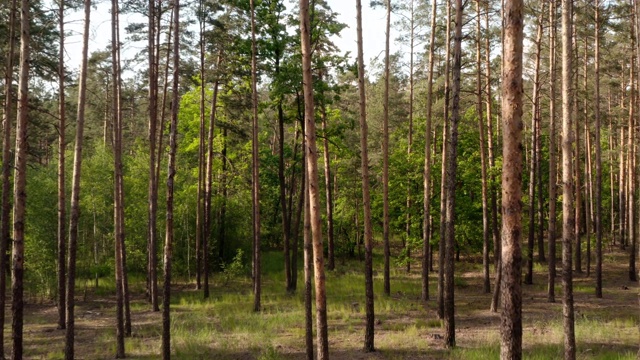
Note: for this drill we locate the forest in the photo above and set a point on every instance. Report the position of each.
(221, 180)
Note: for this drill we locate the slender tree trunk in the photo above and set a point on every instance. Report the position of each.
(328, 186)
(598, 155)
(577, 172)
(308, 261)
(62, 202)
(312, 176)
(630, 223)
(171, 172)
(385, 155)
(568, 220)
(153, 188)
(208, 175)
(5, 237)
(201, 268)
(511, 316)
(366, 198)
(552, 153)
(255, 179)
(223, 206)
(116, 114)
(486, 282)
(497, 247)
(534, 150)
(20, 177)
(75, 192)
(427, 186)
(286, 226)
(588, 192)
(443, 188)
(409, 203)
(452, 166)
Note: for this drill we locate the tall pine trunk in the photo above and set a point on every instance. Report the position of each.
(568, 218)
(153, 188)
(385, 155)
(312, 177)
(427, 185)
(75, 189)
(452, 166)
(598, 153)
(511, 315)
(20, 180)
(171, 172)
(552, 154)
(6, 168)
(255, 178)
(535, 120)
(486, 282)
(62, 202)
(366, 198)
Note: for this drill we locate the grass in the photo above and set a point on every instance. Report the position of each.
(225, 326)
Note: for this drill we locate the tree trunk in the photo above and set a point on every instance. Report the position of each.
(443, 177)
(535, 120)
(312, 177)
(452, 166)
(410, 136)
(426, 226)
(308, 262)
(75, 192)
(153, 188)
(201, 268)
(208, 175)
(5, 237)
(511, 316)
(568, 219)
(286, 226)
(255, 178)
(62, 202)
(552, 154)
(385, 155)
(366, 198)
(20, 178)
(171, 172)
(486, 282)
(117, 122)
(328, 187)
(598, 154)
(630, 223)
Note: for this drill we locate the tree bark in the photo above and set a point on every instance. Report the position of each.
(598, 154)
(171, 172)
(62, 202)
(427, 186)
(153, 188)
(208, 175)
(535, 120)
(552, 153)
(312, 177)
(366, 198)
(452, 166)
(443, 177)
(118, 223)
(486, 282)
(255, 178)
(385, 155)
(20, 177)
(5, 236)
(75, 192)
(568, 219)
(511, 315)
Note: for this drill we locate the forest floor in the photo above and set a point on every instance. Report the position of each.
(224, 326)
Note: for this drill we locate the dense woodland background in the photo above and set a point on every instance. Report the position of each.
(203, 75)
